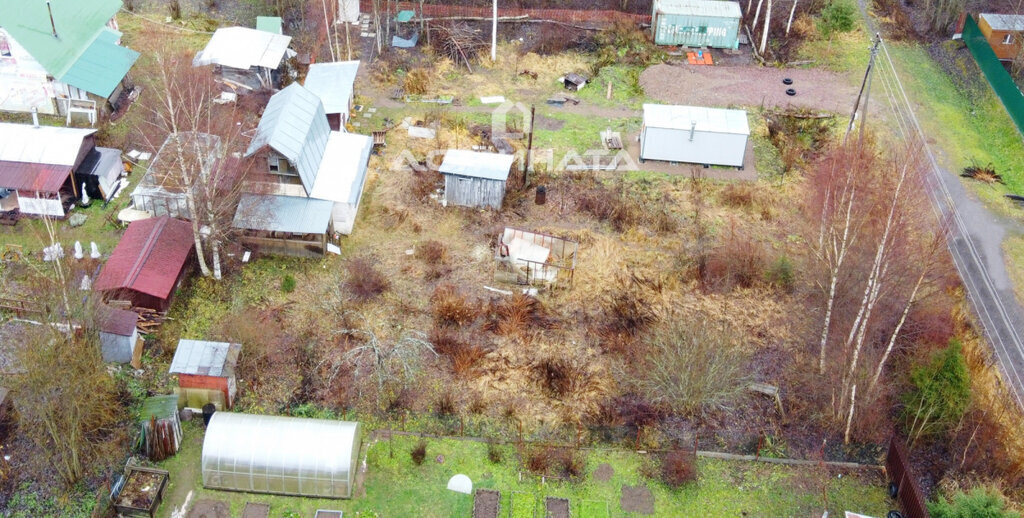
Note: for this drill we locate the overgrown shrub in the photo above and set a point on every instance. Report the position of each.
(978, 503)
(419, 452)
(365, 281)
(516, 315)
(493, 452)
(738, 261)
(425, 183)
(432, 252)
(625, 43)
(739, 195)
(693, 368)
(940, 394)
(452, 308)
(537, 460)
(568, 462)
(288, 283)
(623, 208)
(445, 405)
(417, 81)
(463, 353)
(837, 16)
(174, 8)
(678, 468)
(781, 275)
(560, 376)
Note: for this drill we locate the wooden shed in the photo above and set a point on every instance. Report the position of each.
(475, 179)
(148, 264)
(1003, 32)
(119, 335)
(206, 373)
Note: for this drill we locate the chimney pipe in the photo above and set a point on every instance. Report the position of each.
(35, 117)
(53, 26)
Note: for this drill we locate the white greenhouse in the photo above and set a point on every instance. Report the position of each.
(694, 134)
(281, 455)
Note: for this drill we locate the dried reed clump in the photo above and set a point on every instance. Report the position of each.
(623, 209)
(627, 311)
(417, 81)
(738, 195)
(365, 281)
(550, 460)
(463, 353)
(738, 262)
(432, 252)
(452, 308)
(419, 452)
(445, 406)
(560, 376)
(516, 315)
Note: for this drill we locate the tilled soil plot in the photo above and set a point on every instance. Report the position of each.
(556, 507)
(748, 86)
(485, 503)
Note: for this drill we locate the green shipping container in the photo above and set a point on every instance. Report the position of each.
(697, 23)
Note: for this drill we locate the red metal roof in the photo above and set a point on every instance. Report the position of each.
(30, 177)
(149, 257)
(117, 321)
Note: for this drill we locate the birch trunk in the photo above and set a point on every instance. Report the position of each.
(757, 16)
(895, 333)
(767, 26)
(849, 417)
(791, 12)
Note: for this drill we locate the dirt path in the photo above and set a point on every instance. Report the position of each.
(747, 86)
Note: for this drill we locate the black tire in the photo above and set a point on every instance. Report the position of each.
(790, 91)
(894, 514)
(787, 81)
(894, 490)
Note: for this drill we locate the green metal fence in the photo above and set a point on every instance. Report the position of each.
(994, 72)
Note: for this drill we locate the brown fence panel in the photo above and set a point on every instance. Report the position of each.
(908, 492)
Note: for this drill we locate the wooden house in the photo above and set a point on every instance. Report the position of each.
(38, 166)
(206, 373)
(1004, 33)
(148, 264)
(475, 179)
(62, 55)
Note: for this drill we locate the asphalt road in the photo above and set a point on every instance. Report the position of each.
(975, 234)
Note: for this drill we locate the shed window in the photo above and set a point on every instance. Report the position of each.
(1008, 39)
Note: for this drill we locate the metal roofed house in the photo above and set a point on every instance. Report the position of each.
(305, 159)
(289, 225)
(1003, 32)
(61, 50)
(160, 192)
(246, 59)
(38, 165)
(148, 263)
(696, 23)
(119, 335)
(475, 179)
(281, 455)
(334, 84)
(694, 134)
(206, 373)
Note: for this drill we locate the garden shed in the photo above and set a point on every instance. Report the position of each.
(694, 134)
(245, 59)
(1003, 33)
(696, 23)
(148, 263)
(38, 167)
(206, 373)
(281, 455)
(119, 335)
(474, 178)
(334, 84)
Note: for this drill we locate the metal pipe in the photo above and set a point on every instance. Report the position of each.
(53, 26)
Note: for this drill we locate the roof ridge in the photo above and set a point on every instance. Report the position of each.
(136, 269)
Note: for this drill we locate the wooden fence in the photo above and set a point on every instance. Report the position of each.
(908, 492)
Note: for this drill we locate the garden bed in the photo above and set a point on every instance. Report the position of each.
(556, 507)
(142, 490)
(486, 503)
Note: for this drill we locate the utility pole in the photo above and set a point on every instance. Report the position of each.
(494, 31)
(865, 91)
(529, 149)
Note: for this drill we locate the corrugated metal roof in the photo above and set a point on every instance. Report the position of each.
(102, 66)
(242, 47)
(1004, 22)
(276, 213)
(474, 164)
(25, 177)
(116, 321)
(343, 167)
(160, 407)
(205, 358)
(295, 125)
(714, 120)
(78, 24)
(149, 257)
(271, 24)
(43, 145)
(715, 8)
(333, 84)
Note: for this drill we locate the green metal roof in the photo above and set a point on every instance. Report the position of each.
(271, 24)
(404, 16)
(102, 66)
(161, 407)
(78, 22)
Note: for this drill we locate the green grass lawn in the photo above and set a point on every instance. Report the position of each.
(626, 90)
(395, 486)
